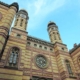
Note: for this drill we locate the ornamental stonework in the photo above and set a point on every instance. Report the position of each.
(24, 57)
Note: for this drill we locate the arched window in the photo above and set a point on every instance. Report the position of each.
(59, 36)
(21, 22)
(35, 45)
(13, 58)
(54, 35)
(40, 46)
(69, 67)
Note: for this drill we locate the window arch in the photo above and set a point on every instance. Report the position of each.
(13, 57)
(68, 67)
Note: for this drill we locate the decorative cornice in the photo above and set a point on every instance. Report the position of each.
(40, 41)
(60, 43)
(19, 30)
(2, 3)
(62, 53)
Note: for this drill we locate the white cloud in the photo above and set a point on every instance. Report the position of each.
(39, 4)
(39, 9)
(45, 6)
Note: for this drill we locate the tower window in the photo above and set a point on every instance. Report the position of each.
(16, 22)
(54, 34)
(28, 43)
(21, 22)
(18, 35)
(58, 36)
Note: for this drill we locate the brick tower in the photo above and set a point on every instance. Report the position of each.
(53, 32)
(7, 13)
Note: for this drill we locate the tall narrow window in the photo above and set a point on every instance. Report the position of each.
(13, 58)
(59, 36)
(54, 35)
(16, 22)
(69, 67)
(21, 22)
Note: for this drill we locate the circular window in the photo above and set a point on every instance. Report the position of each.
(41, 61)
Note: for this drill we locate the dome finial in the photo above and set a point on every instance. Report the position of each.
(51, 22)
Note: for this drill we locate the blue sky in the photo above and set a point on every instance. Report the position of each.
(65, 13)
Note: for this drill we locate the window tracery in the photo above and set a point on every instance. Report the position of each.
(69, 67)
(13, 58)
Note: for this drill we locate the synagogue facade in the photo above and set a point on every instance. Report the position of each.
(24, 57)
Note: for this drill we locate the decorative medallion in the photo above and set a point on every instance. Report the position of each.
(0, 15)
(41, 61)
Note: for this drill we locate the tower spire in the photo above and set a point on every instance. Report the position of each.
(53, 32)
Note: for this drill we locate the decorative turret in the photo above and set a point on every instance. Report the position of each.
(7, 13)
(21, 20)
(53, 32)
